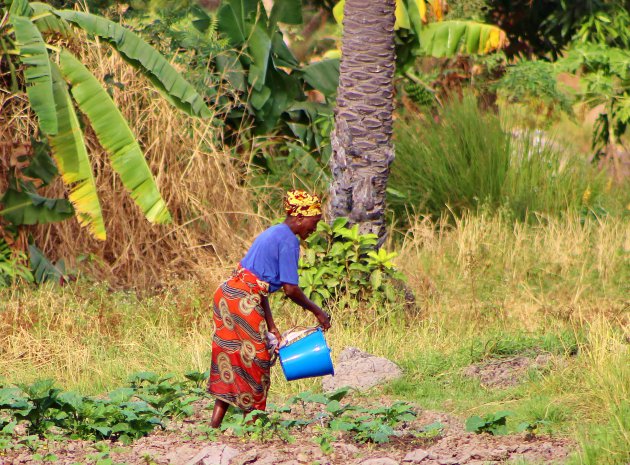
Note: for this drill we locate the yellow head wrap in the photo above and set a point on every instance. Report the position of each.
(301, 203)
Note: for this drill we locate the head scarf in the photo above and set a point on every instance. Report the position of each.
(301, 203)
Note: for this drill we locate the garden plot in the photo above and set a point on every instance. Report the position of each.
(412, 436)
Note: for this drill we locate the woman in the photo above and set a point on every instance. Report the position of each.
(241, 361)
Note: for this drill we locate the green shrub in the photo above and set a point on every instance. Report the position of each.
(466, 160)
(341, 261)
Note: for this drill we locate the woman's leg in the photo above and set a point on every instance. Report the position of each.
(220, 407)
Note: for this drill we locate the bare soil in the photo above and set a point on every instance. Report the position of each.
(506, 372)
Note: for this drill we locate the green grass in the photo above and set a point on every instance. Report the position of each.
(485, 288)
(468, 160)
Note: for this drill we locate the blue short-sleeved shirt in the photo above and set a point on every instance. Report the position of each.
(274, 256)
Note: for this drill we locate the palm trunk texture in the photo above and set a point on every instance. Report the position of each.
(362, 138)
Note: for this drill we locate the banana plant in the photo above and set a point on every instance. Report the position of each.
(55, 81)
(417, 36)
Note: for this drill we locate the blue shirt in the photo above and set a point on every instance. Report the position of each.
(273, 257)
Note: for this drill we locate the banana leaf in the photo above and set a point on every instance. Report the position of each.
(34, 55)
(40, 165)
(19, 7)
(137, 52)
(236, 18)
(408, 13)
(323, 75)
(286, 11)
(116, 138)
(47, 22)
(44, 269)
(68, 149)
(449, 38)
(259, 45)
(417, 10)
(30, 208)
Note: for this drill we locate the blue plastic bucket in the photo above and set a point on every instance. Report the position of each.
(306, 357)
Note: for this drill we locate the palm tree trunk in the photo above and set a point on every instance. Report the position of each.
(362, 138)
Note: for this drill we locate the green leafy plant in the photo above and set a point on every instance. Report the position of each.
(364, 424)
(492, 423)
(12, 267)
(534, 85)
(339, 260)
(606, 75)
(126, 414)
(532, 427)
(431, 430)
(33, 36)
(324, 439)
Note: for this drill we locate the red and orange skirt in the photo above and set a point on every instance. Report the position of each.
(241, 362)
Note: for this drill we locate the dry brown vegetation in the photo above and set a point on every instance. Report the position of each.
(214, 216)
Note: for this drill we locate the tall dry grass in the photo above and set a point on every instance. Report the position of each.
(214, 215)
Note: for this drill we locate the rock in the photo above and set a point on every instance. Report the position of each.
(416, 456)
(212, 455)
(345, 448)
(267, 458)
(380, 461)
(183, 455)
(248, 457)
(360, 370)
(499, 454)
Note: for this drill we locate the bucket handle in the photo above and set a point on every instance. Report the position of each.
(300, 329)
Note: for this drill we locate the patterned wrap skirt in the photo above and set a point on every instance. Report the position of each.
(241, 362)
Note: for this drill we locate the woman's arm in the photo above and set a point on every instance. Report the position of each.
(295, 293)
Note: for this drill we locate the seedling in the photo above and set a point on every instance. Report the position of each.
(492, 423)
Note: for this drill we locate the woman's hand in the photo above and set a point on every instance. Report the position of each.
(295, 293)
(323, 318)
(276, 333)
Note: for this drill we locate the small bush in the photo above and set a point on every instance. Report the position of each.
(341, 261)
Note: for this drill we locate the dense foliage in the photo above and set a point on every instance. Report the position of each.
(340, 262)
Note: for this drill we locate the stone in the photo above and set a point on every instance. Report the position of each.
(248, 457)
(212, 455)
(416, 456)
(345, 448)
(499, 454)
(360, 370)
(380, 461)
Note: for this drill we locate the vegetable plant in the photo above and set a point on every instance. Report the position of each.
(126, 414)
(492, 423)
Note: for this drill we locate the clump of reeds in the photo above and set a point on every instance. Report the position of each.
(468, 159)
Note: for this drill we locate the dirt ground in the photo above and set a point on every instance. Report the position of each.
(182, 443)
(188, 442)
